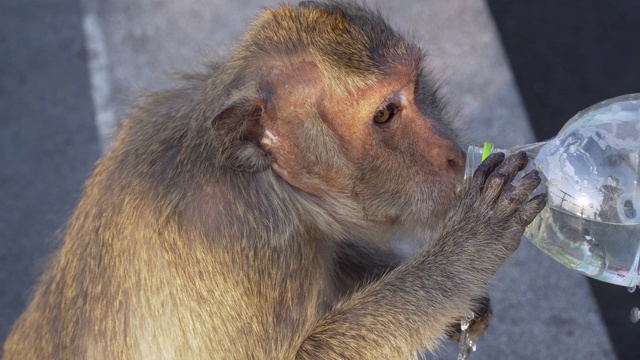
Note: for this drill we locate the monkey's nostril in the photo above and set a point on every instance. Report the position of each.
(456, 161)
(455, 164)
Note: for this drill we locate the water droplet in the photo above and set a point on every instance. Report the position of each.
(469, 316)
(467, 346)
(635, 315)
(632, 288)
(464, 325)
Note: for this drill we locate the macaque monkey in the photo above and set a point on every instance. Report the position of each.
(302, 199)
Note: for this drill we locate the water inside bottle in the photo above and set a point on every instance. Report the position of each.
(605, 251)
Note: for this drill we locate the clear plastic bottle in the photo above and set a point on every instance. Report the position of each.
(591, 174)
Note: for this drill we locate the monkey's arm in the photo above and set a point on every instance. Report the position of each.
(410, 308)
(406, 310)
(358, 265)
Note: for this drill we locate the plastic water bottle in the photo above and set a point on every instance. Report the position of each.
(591, 174)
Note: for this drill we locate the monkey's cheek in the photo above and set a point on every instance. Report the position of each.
(280, 171)
(292, 178)
(300, 180)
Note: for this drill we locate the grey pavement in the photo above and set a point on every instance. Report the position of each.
(48, 141)
(542, 310)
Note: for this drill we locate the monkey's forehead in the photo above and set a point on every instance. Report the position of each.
(351, 39)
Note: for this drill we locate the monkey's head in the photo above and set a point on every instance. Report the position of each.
(338, 105)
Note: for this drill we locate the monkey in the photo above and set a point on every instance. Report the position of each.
(301, 198)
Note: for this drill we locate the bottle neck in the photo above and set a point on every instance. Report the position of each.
(477, 154)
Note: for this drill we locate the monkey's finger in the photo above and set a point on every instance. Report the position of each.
(488, 166)
(504, 174)
(530, 210)
(514, 196)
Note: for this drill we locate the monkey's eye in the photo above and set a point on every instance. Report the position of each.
(385, 114)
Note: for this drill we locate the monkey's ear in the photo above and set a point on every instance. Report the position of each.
(238, 129)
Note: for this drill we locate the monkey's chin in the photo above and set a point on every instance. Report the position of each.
(460, 189)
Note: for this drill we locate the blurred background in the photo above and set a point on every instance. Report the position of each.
(515, 71)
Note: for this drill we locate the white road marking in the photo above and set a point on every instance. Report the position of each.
(98, 64)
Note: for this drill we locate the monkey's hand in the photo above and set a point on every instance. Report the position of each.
(490, 220)
(477, 326)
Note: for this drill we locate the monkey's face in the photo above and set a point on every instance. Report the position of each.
(413, 169)
(373, 146)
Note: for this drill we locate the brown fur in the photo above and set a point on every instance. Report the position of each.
(258, 211)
